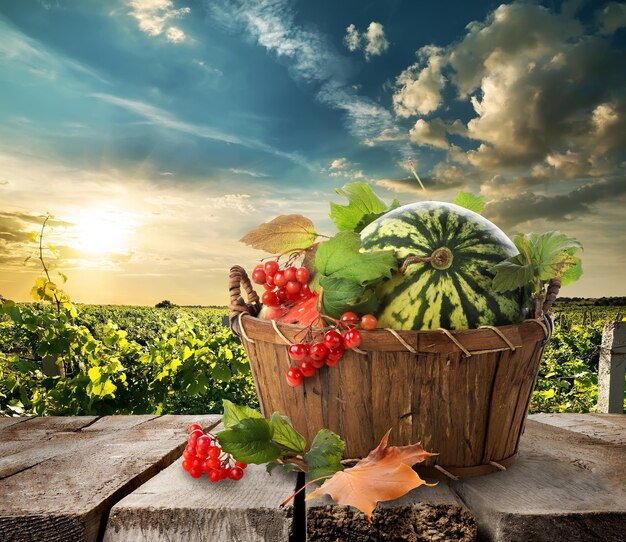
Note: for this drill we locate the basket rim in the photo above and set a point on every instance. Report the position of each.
(467, 341)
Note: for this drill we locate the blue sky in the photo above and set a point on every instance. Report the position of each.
(159, 131)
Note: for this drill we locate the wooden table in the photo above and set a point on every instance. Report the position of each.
(119, 478)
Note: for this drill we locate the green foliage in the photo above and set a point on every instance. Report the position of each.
(470, 201)
(149, 361)
(277, 442)
(542, 257)
(364, 206)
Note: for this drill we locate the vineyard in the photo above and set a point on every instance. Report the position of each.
(135, 360)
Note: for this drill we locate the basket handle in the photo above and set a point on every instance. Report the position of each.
(554, 286)
(238, 278)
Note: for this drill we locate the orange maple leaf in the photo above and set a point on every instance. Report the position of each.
(385, 474)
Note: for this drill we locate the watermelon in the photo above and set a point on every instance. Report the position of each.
(304, 312)
(452, 291)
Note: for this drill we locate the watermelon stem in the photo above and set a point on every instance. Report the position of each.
(440, 258)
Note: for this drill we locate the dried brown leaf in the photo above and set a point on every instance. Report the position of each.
(283, 234)
(385, 474)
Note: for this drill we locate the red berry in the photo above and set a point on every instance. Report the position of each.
(302, 275)
(186, 464)
(194, 436)
(188, 455)
(214, 475)
(290, 273)
(197, 462)
(235, 473)
(293, 297)
(201, 453)
(333, 339)
(279, 278)
(334, 356)
(224, 472)
(269, 298)
(349, 319)
(318, 363)
(203, 442)
(294, 377)
(298, 351)
(213, 463)
(269, 286)
(195, 472)
(281, 295)
(270, 267)
(293, 287)
(195, 426)
(352, 338)
(307, 369)
(214, 451)
(241, 464)
(318, 351)
(258, 276)
(369, 322)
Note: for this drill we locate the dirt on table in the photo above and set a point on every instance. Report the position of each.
(424, 522)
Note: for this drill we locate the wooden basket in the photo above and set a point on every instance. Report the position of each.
(463, 394)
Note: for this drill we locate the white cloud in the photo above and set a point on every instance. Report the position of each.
(420, 85)
(248, 172)
(237, 202)
(376, 42)
(352, 38)
(342, 167)
(373, 41)
(154, 16)
(310, 58)
(431, 133)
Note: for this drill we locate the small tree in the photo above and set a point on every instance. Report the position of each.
(165, 304)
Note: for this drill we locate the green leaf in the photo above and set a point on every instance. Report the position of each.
(284, 233)
(470, 201)
(339, 294)
(572, 274)
(340, 257)
(250, 441)
(286, 436)
(233, 413)
(511, 275)
(324, 457)
(364, 206)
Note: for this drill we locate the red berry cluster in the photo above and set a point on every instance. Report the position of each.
(281, 285)
(330, 349)
(203, 454)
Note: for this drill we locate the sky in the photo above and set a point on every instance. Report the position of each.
(158, 132)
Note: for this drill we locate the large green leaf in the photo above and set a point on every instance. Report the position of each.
(250, 441)
(511, 275)
(364, 206)
(340, 257)
(470, 201)
(284, 233)
(339, 294)
(324, 457)
(233, 413)
(286, 436)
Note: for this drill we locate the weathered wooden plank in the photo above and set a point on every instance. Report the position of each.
(174, 507)
(8, 421)
(605, 427)
(83, 472)
(611, 368)
(565, 486)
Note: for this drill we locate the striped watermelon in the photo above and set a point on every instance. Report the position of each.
(454, 290)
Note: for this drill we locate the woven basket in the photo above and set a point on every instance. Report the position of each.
(463, 394)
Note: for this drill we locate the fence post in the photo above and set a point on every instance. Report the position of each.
(611, 368)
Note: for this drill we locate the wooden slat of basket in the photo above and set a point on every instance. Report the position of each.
(423, 341)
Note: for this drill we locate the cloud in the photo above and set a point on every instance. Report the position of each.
(154, 16)
(310, 59)
(160, 117)
(342, 167)
(432, 134)
(248, 172)
(30, 55)
(528, 206)
(373, 41)
(419, 86)
(352, 39)
(237, 202)
(612, 17)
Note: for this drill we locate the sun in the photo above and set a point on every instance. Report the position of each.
(101, 231)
